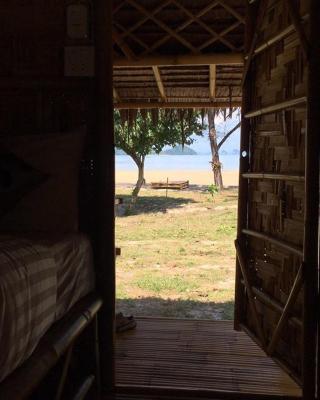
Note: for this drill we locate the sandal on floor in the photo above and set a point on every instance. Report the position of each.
(124, 323)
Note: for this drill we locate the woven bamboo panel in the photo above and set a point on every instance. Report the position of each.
(276, 207)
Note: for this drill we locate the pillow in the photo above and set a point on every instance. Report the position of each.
(16, 179)
(52, 206)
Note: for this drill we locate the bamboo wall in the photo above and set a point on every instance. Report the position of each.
(273, 231)
(35, 95)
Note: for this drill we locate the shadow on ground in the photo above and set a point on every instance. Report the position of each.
(158, 307)
(151, 204)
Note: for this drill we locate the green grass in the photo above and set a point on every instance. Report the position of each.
(177, 255)
(160, 284)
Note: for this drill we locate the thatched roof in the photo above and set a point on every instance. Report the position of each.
(178, 52)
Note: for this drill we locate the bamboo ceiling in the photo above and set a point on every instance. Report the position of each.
(178, 53)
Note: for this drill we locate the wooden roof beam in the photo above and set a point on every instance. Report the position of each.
(122, 44)
(232, 11)
(183, 26)
(212, 81)
(157, 76)
(205, 26)
(162, 25)
(176, 104)
(182, 60)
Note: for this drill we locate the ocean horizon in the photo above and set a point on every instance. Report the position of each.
(197, 162)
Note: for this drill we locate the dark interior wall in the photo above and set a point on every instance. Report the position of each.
(35, 96)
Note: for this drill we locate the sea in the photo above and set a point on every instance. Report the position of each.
(199, 162)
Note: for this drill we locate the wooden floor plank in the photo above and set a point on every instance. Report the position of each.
(206, 355)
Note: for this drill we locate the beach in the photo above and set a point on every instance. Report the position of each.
(230, 178)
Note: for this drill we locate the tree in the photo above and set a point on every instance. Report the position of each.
(215, 146)
(139, 133)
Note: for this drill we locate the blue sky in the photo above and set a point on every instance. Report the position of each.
(202, 145)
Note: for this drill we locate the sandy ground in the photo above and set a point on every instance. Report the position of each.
(230, 178)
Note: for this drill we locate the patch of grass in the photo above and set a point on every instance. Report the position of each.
(177, 255)
(159, 284)
(226, 229)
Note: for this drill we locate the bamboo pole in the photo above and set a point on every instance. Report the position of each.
(279, 36)
(277, 107)
(105, 241)
(274, 304)
(84, 388)
(64, 374)
(281, 243)
(311, 219)
(286, 311)
(283, 177)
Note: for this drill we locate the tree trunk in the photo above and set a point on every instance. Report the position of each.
(215, 163)
(140, 164)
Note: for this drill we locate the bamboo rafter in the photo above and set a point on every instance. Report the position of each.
(191, 17)
(212, 84)
(115, 95)
(220, 36)
(122, 44)
(182, 26)
(131, 35)
(129, 31)
(231, 10)
(195, 18)
(158, 79)
(157, 87)
(162, 25)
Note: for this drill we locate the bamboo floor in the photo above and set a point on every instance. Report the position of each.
(200, 359)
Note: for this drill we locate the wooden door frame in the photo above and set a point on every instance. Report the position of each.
(105, 219)
(311, 244)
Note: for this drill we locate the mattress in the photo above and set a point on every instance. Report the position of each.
(40, 280)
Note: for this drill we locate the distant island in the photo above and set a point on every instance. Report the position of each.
(179, 151)
(185, 151)
(174, 151)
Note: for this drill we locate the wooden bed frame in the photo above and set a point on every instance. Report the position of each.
(57, 343)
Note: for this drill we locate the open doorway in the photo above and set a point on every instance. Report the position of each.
(177, 236)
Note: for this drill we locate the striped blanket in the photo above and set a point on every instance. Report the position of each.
(40, 280)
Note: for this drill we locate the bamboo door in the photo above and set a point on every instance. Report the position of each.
(277, 244)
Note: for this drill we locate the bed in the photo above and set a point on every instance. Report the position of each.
(41, 279)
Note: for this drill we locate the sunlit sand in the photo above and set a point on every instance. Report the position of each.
(230, 178)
